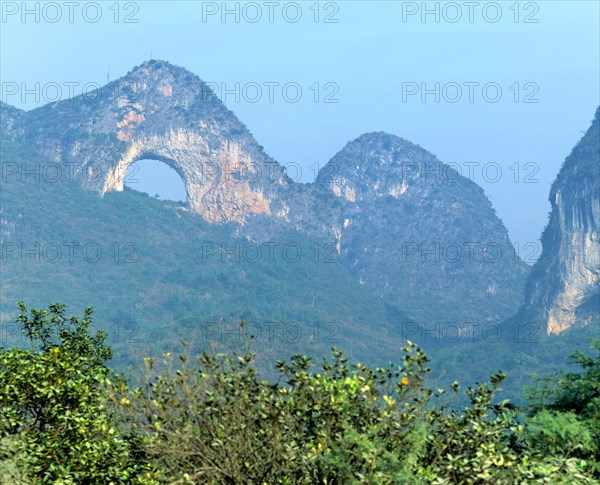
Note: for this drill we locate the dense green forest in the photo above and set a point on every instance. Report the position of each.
(66, 417)
(155, 273)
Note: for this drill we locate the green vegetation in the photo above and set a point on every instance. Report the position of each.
(155, 282)
(55, 420)
(566, 410)
(150, 271)
(65, 417)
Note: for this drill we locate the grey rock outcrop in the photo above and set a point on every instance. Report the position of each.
(162, 112)
(563, 289)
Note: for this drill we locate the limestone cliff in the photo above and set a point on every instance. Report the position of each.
(563, 289)
(162, 112)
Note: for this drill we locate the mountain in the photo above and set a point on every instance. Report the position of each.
(417, 232)
(403, 224)
(564, 287)
(166, 113)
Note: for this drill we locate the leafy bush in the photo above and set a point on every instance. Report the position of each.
(54, 416)
(565, 411)
(560, 433)
(65, 417)
(209, 419)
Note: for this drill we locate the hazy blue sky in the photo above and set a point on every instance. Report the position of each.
(369, 61)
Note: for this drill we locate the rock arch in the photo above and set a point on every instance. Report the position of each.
(116, 177)
(163, 112)
(217, 179)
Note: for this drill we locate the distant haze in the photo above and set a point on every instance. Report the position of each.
(502, 90)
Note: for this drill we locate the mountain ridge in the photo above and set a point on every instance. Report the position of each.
(385, 217)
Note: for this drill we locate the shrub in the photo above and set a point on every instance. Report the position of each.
(65, 417)
(55, 421)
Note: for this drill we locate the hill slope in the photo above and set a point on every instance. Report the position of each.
(432, 245)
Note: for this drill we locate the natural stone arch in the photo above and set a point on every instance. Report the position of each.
(216, 178)
(163, 112)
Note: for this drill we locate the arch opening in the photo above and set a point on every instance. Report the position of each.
(157, 179)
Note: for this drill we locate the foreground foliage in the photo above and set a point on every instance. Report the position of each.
(66, 418)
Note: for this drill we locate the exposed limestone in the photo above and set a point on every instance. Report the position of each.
(128, 124)
(342, 188)
(226, 175)
(397, 190)
(568, 271)
(579, 253)
(166, 90)
(216, 179)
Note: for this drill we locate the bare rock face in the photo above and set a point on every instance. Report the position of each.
(564, 285)
(162, 112)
